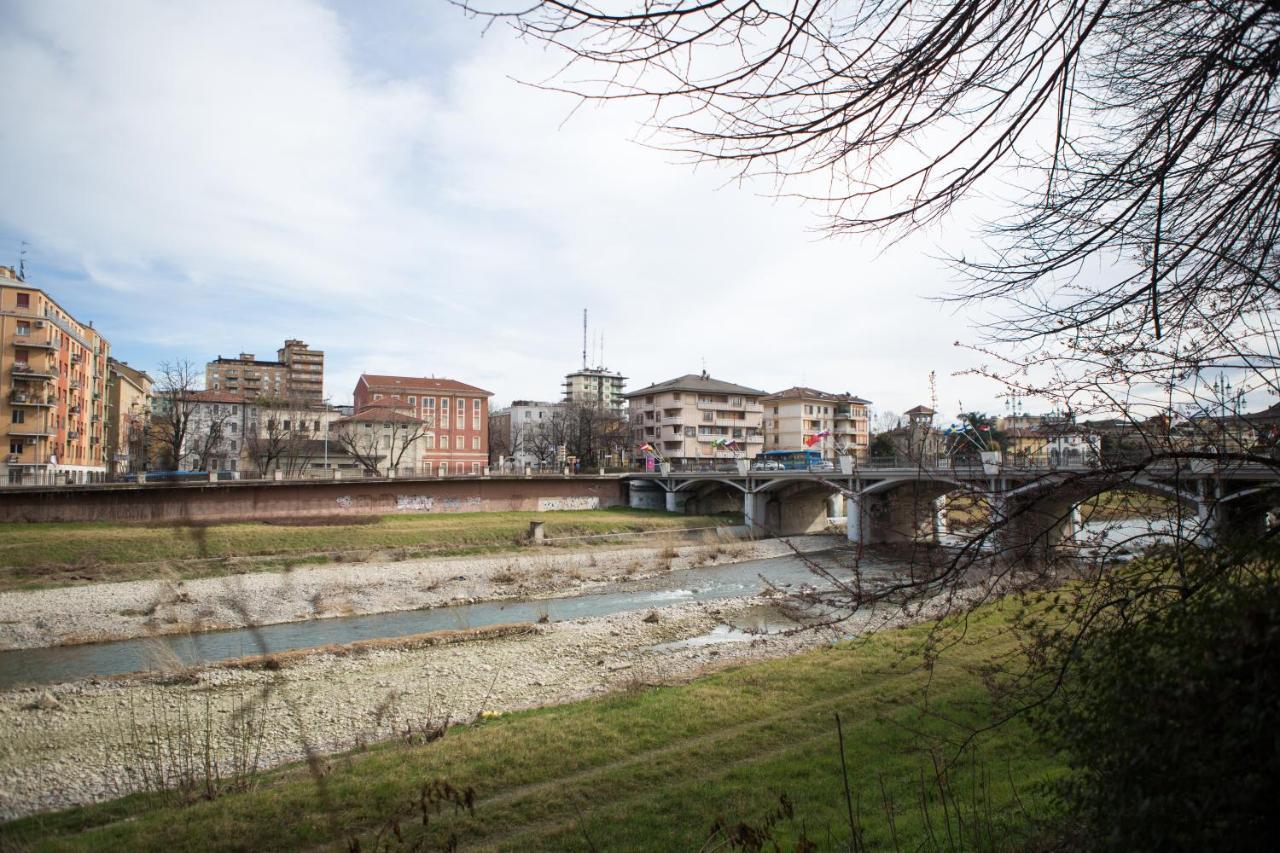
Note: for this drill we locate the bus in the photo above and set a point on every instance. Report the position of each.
(791, 460)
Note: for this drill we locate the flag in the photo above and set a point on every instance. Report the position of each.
(985, 428)
(816, 437)
(648, 448)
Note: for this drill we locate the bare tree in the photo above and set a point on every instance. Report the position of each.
(176, 384)
(378, 436)
(285, 437)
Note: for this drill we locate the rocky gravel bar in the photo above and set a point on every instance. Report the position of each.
(119, 611)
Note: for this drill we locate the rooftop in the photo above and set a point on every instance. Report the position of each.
(799, 392)
(381, 382)
(697, 382)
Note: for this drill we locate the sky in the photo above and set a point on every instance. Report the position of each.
(204, 179)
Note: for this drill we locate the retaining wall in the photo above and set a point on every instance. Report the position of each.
(227, 501)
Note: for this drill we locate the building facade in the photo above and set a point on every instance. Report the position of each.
(304, 372)
(454, 415)
(521, 433)
(596, 387)
(795, 416)
(690, 419)
(55, 370)
(128, 413)
(297, 374)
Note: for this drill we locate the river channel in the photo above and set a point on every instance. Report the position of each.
(734, 581)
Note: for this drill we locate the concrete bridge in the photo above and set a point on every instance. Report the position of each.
(1032, 509)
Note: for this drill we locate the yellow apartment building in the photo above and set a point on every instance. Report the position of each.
(692, 418)
(794, 416)
(54, 371)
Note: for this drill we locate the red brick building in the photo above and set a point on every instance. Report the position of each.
(456, 416)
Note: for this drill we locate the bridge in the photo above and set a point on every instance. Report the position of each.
(1033, 508)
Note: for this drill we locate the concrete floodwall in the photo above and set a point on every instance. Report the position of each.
(251, 500)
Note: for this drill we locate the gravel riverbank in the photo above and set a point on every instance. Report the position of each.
(116, 611)
(93, 740)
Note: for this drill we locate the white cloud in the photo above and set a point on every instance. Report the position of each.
(231, 174)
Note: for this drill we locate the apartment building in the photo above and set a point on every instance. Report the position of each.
(304, 372)
(128, 412)
(55, 370)
(454, 415)
(792, 418)
(297, 374)
(596, 387)
(521, 433)
(691, 418)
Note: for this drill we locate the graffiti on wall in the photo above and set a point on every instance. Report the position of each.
(414, 503)
(552, 504)
(344, 501)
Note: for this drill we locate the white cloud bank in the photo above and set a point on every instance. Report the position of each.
(227, 175)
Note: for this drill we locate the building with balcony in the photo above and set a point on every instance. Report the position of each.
(455, 418)
(297, 374)
(304, 372)
(54, 369)
(596, 387)
(795, 416)
(690, 419)
(128, 413)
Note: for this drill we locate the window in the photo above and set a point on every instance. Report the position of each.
(24, 300)
(429, 403)
(475, 442)
(377, 396)
(413, 401)
(444, 406)
(15, 446)
(475, 467)
(475, 406)
(462, 418)
(528, 414)
(460, 468)
(19, 416)
(24, 328)
(444, 442)
(475, 422)
(431, 441)
(232, 427)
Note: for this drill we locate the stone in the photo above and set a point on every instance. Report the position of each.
(46, 701)
(652, 618)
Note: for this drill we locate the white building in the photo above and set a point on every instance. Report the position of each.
(597, 387)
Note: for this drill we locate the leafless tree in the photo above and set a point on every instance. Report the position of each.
(379, 439)
(1124, 158)
(176, 384)
(285, 436)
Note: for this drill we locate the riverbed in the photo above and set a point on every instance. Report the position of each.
(94, 738)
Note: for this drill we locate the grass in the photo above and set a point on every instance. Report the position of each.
(34, 556)
(647, 768)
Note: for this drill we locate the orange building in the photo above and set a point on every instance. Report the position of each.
(55, 374)
(455, 417)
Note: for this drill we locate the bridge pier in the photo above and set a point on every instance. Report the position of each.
(675, 501)
(755, 509)
(854, 521)
(940, 527)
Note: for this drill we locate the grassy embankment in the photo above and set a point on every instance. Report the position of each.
(651, 768)
(34, 556)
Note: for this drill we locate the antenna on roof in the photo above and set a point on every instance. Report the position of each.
(22, 261)
(584, 338)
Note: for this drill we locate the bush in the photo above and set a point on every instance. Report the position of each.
(1170, 716)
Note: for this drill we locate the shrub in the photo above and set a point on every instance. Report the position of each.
(1170, 713)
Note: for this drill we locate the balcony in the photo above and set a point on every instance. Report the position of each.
(76, 358)
(73, 435)
(23, 370)
(73, 384)
(35, 342)
(19, 398)
(30, 431)
(74, 409)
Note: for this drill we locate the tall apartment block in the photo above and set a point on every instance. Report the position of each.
(304, 371)
(795, 416)
(55, 373)
(297, 374)
(596, 387)
(693, 418)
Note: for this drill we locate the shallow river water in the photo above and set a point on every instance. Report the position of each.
(738, 580)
